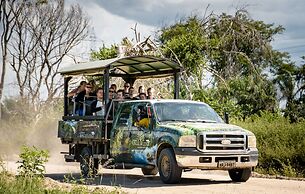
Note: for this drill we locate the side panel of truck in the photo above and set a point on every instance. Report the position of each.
(81, 129)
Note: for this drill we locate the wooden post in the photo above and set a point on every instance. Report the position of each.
(66, 99)
(106, 88)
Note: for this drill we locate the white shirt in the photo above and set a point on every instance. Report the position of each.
(102, 111)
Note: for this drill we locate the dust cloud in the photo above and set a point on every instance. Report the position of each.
(40, 132)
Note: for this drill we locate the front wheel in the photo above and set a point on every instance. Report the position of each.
(169, 171)
(240, 175)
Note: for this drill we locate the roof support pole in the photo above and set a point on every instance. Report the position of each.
(176, 85)
(66, 99)
(106, 87)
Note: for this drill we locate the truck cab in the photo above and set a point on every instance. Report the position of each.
(168, 136)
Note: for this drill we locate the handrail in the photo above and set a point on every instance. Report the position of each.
(88, 118)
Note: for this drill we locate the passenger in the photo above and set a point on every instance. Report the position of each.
(142, 96)
(126, 89)
(111, 93)
(94, 86)
(119, 98)
(97, 106)
(120, 95)
(77, 90)
(159, 95)
(143, 119)
(141, 90)
(113, 86)
(84, 100)
(111, 96)
(150, 93)
(90, 95)
(132, 94)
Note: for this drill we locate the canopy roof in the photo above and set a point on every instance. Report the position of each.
(133, 66)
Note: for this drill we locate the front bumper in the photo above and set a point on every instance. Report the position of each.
(194, 159)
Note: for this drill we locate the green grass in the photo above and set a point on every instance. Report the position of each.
(36, 185)
(281, 144)
(11, 184)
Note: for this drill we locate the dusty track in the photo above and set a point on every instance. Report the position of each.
(132, 181)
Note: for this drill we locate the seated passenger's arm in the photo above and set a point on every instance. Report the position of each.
(72, 93)
(94, 108)
(143, 123)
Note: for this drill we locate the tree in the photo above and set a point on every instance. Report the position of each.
(104, 53)
(235, 49)
(9, 10)
(186, 42)
(44, 34)
(290, 80)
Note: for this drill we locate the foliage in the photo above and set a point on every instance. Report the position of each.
(218, 102)
(240, 46)
(241, 97)
(186, 40)
(236, 51)
(2, 168)
(37, 185)
(104, 53)
(232, 45)
(280, 143)
(290, 80)
(32, 161)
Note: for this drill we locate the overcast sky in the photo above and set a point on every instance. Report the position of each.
(112, 19)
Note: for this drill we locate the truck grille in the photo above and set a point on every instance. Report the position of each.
(213, 142)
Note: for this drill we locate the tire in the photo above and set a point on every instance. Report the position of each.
(147, 171)
(88, 165)
(240, 175)
(169, 171)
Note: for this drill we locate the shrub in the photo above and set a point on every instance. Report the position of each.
(280, 143)
(32, 161)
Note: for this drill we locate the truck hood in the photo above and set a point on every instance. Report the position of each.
(191, 128)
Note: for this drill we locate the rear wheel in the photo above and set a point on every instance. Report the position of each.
(240, 175)
(147, 171)
(169, 171)
(88, 165)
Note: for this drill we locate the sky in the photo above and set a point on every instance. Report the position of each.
(113, 20)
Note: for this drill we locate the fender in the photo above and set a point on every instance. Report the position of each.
(164, 142)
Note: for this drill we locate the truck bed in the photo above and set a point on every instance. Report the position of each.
(80, 128)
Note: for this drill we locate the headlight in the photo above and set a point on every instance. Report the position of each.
(251, 141)
(187, 141)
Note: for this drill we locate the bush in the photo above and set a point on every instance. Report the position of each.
(281, 144)
(12, 185)
(32, 161)
(36, 184)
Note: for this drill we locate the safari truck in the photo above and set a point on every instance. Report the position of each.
(159, 136)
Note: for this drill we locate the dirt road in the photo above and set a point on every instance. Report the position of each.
(132, 181)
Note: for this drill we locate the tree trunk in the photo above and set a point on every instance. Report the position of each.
(4, 56)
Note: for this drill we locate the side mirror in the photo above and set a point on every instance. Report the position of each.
(226, 117)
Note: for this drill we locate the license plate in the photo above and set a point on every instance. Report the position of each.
(227, 164)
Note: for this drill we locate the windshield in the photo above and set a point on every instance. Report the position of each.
(182, 111)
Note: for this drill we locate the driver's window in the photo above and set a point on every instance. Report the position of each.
(123, 117)
(141, 115)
